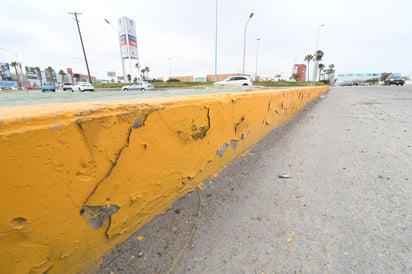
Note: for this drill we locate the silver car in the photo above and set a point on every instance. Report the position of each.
(138, 86)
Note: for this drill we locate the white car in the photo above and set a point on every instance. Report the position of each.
(138, 86)
(83, 86)
(236, 81)
(68, 86)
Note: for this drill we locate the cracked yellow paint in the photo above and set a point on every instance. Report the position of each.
(77, 179)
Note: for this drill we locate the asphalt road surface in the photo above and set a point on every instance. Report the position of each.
(347, 207)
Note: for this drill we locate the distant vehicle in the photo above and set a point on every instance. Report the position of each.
(83, 86)
(236, 81)
(48, 87)
(68, 86)
(138, 86)
(346, 84)
(394, 80)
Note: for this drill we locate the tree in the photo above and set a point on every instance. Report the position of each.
(49, 75)
(144, 71)
(147, 70)
(385, 75)
(308, 58)
(318, 55)
(137, 65)
(62, 74)
(129, 78)
(39, 74)
(15, 65)
(321, 67)
(295, 76)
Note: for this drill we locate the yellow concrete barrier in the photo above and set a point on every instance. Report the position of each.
(78, 179)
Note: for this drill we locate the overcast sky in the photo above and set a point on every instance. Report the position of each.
(358, 36)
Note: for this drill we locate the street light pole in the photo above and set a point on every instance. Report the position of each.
(244, 42)
(81, 41)
(257, 57)
(121, 59)
(315, 66)
(215, 76)
(170, 68)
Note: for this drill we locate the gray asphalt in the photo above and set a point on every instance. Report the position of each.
(347, 207)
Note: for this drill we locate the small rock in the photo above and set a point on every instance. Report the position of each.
(140, 254)
(284, 176)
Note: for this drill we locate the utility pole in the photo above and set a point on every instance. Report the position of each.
(81, 41)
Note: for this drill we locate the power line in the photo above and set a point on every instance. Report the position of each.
(81, 41)
(30, 36)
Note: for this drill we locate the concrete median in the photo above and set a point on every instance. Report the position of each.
(78, 179)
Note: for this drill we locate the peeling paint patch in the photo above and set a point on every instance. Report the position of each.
(18, 223)
(139, 122)
(186, 180)
(222, 150)
(199, 133)
(233, 144)
(242, 119)
(96, 215)
(56, 127)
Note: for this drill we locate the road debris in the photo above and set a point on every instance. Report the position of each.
(284, 176)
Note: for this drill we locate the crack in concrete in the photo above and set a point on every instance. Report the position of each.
(96, 215)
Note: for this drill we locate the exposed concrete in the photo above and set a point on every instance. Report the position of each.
(80, 178)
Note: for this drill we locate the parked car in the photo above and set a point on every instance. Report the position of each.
(236, 81)
(138, 86)
(83, 86)
(68, 86)
(394, 80)
(48, 87)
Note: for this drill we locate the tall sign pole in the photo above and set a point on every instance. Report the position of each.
(128, 41)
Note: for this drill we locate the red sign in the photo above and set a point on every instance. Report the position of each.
(69, 71)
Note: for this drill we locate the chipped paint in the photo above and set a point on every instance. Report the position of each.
(77, 179)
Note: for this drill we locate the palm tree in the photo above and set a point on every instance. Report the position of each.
(39, 75)
(62, 74)
(295, 76)
(308, 58)
(143, 71)
(147, 70)
(138, 68)
(321, 67)
(49, 75)
(318, 55)
(15, 65)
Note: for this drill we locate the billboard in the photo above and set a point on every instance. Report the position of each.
(31, 73)
(127, 38)
(111, 74)
(5, 74)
